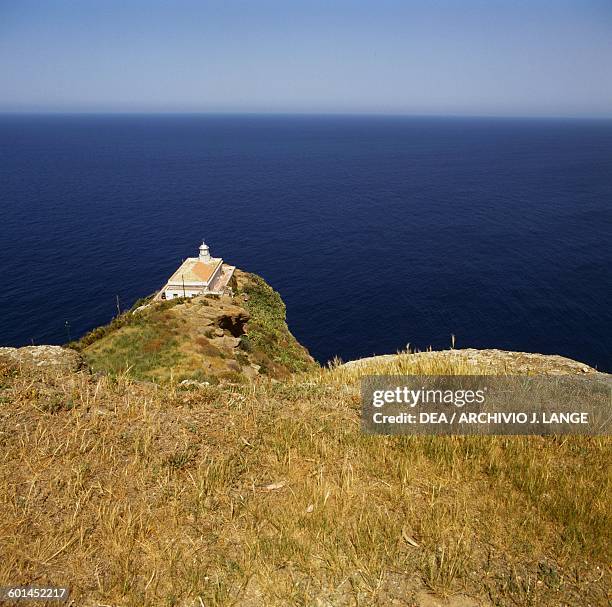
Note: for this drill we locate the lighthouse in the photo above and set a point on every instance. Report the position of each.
(204, 256)
(199, 275)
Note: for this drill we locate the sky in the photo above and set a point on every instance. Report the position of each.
(431, 57)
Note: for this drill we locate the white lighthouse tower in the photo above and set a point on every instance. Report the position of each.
(204, 253)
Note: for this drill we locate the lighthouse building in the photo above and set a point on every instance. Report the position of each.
(198, 275)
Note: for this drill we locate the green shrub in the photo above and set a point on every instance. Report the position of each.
(245, 343)
(267, 328)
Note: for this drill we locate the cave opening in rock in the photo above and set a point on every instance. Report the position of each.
(234, 324)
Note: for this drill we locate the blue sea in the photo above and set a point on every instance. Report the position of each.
(377, 231)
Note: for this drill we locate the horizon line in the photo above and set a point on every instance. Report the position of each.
(298, 113)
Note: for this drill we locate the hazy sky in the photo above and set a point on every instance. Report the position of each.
(500, 57)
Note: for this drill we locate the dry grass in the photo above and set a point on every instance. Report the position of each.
(268, 494)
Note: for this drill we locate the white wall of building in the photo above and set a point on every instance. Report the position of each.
(171, 294)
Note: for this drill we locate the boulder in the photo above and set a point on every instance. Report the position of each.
(44, 356)
(495, 360)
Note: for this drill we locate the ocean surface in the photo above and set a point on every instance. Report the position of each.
(377, 231)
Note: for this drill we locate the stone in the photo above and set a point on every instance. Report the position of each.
(193, 382)
(55, 357)
(233, 365)
(225, 342)
(517, 363)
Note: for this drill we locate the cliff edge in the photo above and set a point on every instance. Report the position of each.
(488, 362)
(209, 338)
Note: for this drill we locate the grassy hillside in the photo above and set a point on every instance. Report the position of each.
(205, 339)
(268, 493)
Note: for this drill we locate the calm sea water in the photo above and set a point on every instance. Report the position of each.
(378, 232)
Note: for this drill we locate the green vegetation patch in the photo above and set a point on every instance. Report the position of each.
(124, 320)
(147, 342)
(267, 328)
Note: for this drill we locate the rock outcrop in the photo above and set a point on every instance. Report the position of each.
(204, 339)
(44, 356)
(511, 363)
